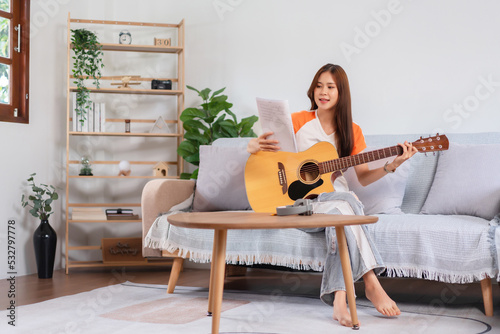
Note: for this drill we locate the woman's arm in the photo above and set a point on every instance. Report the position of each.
(261, 143)
(367, 176)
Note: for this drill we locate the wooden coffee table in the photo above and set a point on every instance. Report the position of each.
(220, 222)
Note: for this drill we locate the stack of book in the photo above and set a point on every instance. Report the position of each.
(88, 214)
(121, 214)
(94, 119)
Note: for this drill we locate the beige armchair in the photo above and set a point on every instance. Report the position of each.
(158, 196)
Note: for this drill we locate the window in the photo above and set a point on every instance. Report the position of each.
(14, 60)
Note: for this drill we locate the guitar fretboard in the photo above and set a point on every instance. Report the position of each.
(358, 159)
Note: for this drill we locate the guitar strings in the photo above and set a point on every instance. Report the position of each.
(349, 161)
(341, 163)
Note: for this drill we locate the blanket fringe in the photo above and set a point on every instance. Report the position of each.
(200, 256)
(494, 243)
(435, 276)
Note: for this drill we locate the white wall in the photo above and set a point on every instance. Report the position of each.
(414, 67)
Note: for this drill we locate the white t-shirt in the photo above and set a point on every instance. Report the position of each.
(308, 131)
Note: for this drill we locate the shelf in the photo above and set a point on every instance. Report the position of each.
(123, 134)
(113, 162)
(84, 247)
(141, 48)
(102, 205)
(104, 221)
(82, 264)
(130, 91)
(127, 23)
(121, 177)
(134, 120)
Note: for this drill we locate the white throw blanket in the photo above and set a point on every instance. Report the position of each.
(445, 248)
(293, 248)
(452, 249)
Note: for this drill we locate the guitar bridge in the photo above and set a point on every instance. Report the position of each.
(282, 178)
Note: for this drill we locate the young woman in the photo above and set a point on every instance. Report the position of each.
(330, 120)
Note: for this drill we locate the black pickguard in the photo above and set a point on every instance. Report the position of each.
(298, 190)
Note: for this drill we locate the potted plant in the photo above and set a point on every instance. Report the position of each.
(87, 64)
(44, 238)
(207, 123)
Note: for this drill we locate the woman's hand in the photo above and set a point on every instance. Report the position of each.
(261, 143)
(408, 151)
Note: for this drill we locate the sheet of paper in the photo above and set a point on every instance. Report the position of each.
(274, 115)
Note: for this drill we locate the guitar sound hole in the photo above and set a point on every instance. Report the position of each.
(309, 172)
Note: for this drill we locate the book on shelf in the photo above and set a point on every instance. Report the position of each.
(74, 116)
(88, 214)
(94, 120)
(123, 217)
(119, 211)
(102, 117)
(97, 117)
(121, 214)
(90, 116)
(85, 124)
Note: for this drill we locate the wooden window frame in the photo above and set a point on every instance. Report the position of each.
(19, 73)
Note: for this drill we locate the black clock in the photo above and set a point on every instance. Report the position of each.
(125, 37)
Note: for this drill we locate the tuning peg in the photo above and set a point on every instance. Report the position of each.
(425, 153)
(434, 153)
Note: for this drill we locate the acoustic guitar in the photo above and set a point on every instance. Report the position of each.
(274, 179)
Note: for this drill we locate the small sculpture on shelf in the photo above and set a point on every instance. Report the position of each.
(124, 168)
(160, 126)
(86, 169)
(160, 169)
(162, 41)
(127, 126)
(126, 81)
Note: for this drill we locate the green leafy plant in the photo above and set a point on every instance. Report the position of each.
(207, 123)
(87, 64)
(40, 202)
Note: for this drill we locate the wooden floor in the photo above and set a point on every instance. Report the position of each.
(30, 289)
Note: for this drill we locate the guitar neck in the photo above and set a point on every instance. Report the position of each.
(358, 159)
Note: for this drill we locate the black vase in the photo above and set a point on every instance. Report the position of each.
(45, 241)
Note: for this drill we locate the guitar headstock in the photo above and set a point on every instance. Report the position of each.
(432, 144)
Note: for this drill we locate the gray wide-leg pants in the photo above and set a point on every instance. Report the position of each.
(362, 250)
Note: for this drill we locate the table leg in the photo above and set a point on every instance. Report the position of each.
(219, 264)
(346, 269)
(210, 285)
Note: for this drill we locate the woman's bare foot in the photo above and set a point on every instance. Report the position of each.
(340, 311)
(377, 295)
(382, 302)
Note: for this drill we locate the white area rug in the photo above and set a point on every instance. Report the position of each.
(139, 308)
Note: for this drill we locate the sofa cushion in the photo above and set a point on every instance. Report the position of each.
(221, 177)
(384, 195)
(421, 171)
(467, 182)
(452, 249)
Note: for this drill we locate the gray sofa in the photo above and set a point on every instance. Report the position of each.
(438, 215)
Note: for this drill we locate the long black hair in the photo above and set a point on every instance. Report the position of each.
(343, 117)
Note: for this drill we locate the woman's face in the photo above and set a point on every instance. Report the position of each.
(326, 94)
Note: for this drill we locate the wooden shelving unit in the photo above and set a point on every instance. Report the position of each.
(130, 91)
(121, 134)
(177, 93)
